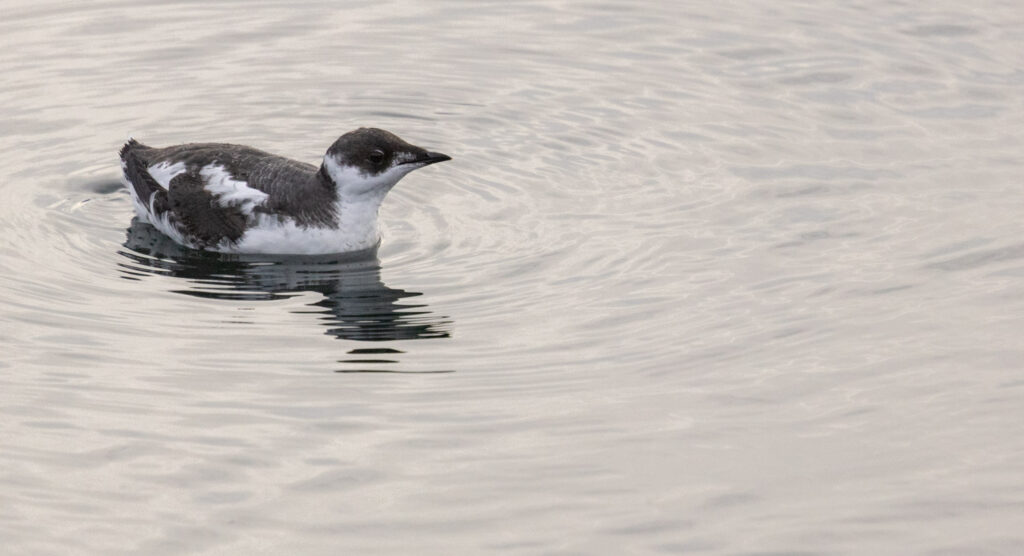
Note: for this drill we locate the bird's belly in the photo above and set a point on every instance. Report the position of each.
(275, 235)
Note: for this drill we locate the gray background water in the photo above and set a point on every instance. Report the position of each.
(708, 277)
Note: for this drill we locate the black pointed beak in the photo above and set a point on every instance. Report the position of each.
(429, 158)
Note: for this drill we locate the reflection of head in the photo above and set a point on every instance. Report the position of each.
(356, 304)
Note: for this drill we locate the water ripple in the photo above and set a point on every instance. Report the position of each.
(694, 269)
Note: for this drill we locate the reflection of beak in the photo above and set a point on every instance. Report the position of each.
(429, 158)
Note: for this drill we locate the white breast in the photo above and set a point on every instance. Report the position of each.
(357, 231)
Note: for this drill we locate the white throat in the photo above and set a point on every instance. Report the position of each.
(359, 199)
(352, 183)
(357, 220)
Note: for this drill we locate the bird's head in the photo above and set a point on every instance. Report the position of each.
(368, 162)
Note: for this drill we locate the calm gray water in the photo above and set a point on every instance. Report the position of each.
(702, 278)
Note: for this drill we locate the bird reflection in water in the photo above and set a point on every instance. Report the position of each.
(356, 305)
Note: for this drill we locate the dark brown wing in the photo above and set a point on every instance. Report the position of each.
(133, 159)
(204, 220)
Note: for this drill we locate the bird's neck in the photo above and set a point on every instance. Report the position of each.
(357, 219)
(323, 178)
(355, 214)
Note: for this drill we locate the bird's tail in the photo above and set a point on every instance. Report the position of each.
(130, 144)
(134, 166)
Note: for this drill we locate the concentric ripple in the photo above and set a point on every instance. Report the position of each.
(701, 278)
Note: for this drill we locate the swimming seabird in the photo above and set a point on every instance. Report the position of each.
(237, 199)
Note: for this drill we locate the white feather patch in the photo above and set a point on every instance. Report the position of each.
(276, 235)
(164, 172)
(357, 230)
(229, 191)
(353, 183)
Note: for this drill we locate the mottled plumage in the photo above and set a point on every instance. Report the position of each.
(233, 198)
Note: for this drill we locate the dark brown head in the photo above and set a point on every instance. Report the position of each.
(370, 160)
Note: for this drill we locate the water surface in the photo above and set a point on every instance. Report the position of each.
(702, 278)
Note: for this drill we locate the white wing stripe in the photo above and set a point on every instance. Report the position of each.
(164, 172)
(229, 191)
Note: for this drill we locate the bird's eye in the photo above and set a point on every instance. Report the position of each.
(377, 156)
